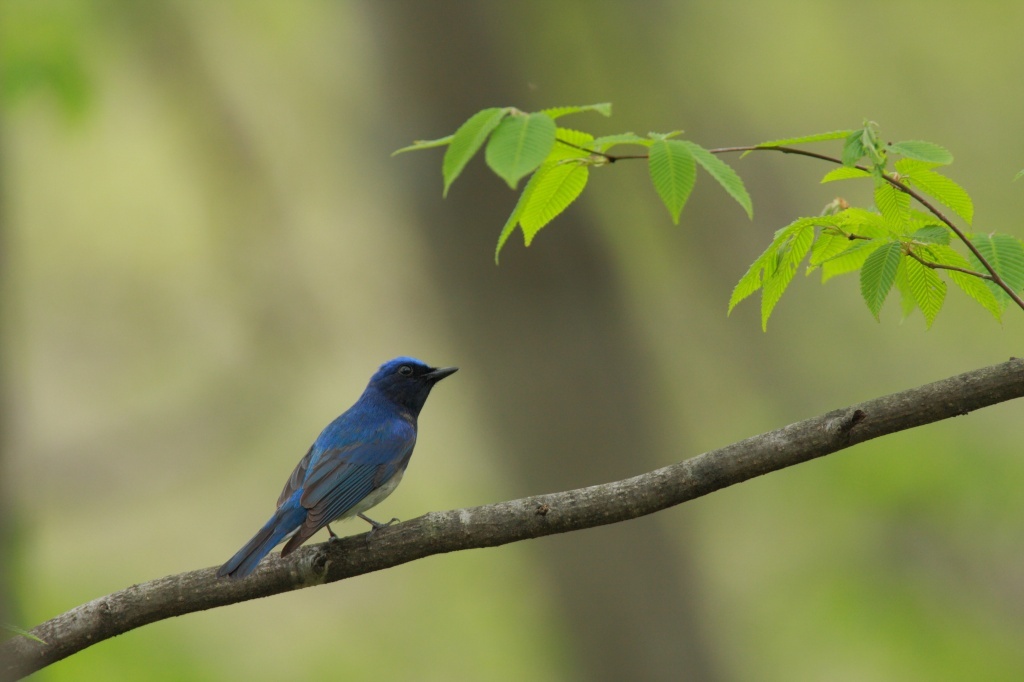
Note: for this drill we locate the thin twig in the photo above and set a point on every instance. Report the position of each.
(940, 266)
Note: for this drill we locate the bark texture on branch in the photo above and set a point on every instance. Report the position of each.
(505, 522)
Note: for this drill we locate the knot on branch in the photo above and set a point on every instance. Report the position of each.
(843, 424)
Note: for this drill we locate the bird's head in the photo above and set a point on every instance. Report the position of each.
(407, 381)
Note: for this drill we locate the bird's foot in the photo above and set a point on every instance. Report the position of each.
(334, 536)
(377, 525)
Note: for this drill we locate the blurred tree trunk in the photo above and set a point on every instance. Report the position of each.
(7, 545)
(627, 595)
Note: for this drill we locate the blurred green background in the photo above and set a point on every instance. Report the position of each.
(206, 251)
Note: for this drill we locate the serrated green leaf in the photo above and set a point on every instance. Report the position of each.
(604, 108)
(927, 288)
(869, 140)
(790, 255)
(1006, 254)
(513, 220)
(519, 145)
(664, 136)
(772, 291)
(920, 219)
(894, 204)
(878, 274)
(844, 173)
(932, 234)
(862, 223)
(467, 141)
(673, 172)
(922, 151)
(724, 174)
(424, 144)
(908, 167)
(975, 287)
(944, 190)
(827, 246)
(788, 247)
(853, 148)
(849, 260)
(603, 144)
(751, 279)
(571, 149)
(816, 137)
(907, 302)
(557, 186)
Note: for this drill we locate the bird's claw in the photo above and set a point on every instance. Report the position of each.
(376, 525)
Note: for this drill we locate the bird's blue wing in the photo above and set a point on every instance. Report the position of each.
(342, 477)
(344, 466)
(298, 476)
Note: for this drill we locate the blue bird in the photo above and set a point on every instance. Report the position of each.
(355, 463)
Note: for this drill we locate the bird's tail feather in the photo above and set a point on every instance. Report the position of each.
(284, 522)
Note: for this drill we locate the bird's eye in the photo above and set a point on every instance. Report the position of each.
(405, 371)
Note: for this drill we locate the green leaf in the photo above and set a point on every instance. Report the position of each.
(922, 151)
(869, 141)
(975, 287)
(827, 246)
(603, 144)
(1006, 254)
(799, 236)
(513, 220)
(519, 145)
(894, 205)
(849, 260)
(768, 262)
(907, 302)
(853, 148)
(467, 141)
(932, 234)
(939, 186)
(816, 137)
(673, 172)
(878, 274)
(927, 288)
(14, 629)
(557, 186)
(751, 280)
(574, 140)
(550, 190)
(1019, 175)
(604, 108)
(424, 144)
(863, 223)
(724, 174)
(844, 173)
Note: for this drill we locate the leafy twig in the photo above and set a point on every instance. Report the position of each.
(940, 266)
(903, 187)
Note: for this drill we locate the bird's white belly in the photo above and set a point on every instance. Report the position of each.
(375, 497)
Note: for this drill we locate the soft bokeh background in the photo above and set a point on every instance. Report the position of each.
(207, 250)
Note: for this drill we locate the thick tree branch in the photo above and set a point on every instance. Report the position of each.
(505, 522)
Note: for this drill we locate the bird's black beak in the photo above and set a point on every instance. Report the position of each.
(439, 373)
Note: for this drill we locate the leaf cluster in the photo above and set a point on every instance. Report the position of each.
(520, 144)
(893, 244)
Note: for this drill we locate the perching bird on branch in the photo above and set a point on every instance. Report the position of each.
(355, 463)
